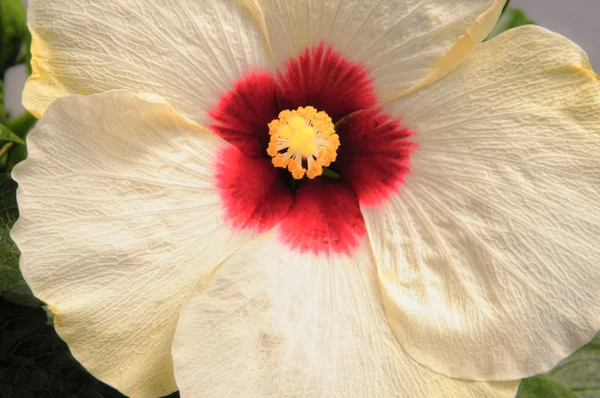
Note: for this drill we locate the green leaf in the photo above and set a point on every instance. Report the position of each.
(21, 127)
(3, 111)
(581, 371)
(12, 32)
(7, 134)
(8, 139)
(22, 296)
(35, 362)
(543, 387)
(511, 18)
(10, 277)
(17, 154)
(24, 56)
(22, 124)
(577, 376)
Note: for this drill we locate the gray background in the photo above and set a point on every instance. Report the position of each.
(579, 20)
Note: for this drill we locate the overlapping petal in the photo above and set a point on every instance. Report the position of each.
(188, 51)
(119, 219)
(275, 323)
(404, 44)
(488, 257)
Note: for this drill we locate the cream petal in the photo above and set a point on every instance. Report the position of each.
(275, 323)
(119, 219)
(404, 44)
(187, 51)
(488, 257)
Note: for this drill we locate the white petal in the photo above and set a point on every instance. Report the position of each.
(489, 254)
(276, 323)
(188, 51)
(119, 219)
(404, 44)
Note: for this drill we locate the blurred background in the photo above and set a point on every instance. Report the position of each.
(576, 19)
(579, 20)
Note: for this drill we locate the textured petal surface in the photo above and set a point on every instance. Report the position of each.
(489, 255)
(119, 219)
(275, 323)
(404, 44)
(187, 51)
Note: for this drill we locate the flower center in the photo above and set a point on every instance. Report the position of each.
(303, 141)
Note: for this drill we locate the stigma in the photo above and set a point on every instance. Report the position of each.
(303, 141)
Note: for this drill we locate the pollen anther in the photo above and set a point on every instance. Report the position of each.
(303, 141)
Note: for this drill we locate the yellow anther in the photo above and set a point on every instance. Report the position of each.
(303, 141)
(285, 131)
(308, 149)
(279, 161)
(297, 123)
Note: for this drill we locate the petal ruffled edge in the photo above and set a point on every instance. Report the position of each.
(120, 216)
(488, 256)
(190, 53)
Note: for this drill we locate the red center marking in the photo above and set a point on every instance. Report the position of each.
(323, 79)
(374, 155)
(255, 193)
(323, 216)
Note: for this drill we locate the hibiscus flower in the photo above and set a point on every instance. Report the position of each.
(310, 198)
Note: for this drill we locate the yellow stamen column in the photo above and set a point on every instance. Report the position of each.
(303, 141)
